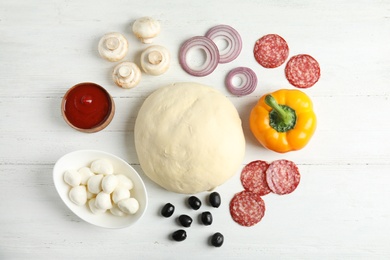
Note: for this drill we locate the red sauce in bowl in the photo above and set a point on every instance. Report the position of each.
(88, 107)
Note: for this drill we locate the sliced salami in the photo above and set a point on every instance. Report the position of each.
(283, 176)
(302, 71)
(271, 51)
(247, 208)
(253, 177)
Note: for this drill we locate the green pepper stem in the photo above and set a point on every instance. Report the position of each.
(283, 115)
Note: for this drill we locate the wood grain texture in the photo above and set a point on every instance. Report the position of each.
(339, 211)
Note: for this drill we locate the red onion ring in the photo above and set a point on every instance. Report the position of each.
(212, 55)
(231, 36)
(248, 84)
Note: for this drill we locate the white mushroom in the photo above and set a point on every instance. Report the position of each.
(113, 46)
(146, 29)
(109, 183)
(129, 206)
(95, 184)
(102, 166)
(155, 60)
(103, 201)
(78, 195)
(72, 177)
(85, 173)
(93, 208)
(119, 194)
(125, 182)
(126, 75)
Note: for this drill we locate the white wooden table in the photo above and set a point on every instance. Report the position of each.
(341, 209)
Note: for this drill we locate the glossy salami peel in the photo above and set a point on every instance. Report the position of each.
(302, 71)
(248, 81)
(232, 38)
(211, 51)
(271, 51)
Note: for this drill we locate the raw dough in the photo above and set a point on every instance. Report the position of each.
(189, 138)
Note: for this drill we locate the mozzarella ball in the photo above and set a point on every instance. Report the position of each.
(78, 195)
(102, 166)
(93, 208)
(119, 194)
(103, 201)
(125, 182)
(115, 210)
(109, 183)
(85, 174)
(72, 177)
(95, 184)
(129, 205)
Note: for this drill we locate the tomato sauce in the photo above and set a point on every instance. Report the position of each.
(87, 105)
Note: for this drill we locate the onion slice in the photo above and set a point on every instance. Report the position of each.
(233, 39)
(211, 51)
(248, 81)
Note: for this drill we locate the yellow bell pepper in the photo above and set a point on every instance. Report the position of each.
(284, 120)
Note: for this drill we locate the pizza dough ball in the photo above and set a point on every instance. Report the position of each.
(189, 138)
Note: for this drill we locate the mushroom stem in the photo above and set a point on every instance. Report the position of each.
(126, 72)
(112, 43)
(155, 57)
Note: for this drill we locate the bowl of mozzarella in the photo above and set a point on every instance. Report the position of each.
(100, 188)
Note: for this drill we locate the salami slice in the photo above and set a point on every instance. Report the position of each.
(271, 51)
(283, 176)
(247, 208)
(302, 71)
(253, 177)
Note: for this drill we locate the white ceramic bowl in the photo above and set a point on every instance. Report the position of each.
(81, 158)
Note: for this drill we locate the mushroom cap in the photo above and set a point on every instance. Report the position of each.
(146, 29)
(113, 46)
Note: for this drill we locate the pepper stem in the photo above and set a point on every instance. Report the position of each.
(282, 118)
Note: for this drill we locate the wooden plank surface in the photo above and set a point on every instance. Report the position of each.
(339, 211)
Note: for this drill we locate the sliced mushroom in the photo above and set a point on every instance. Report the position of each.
(146, 29)
(155, 60)
(126, 74)
(113, 46)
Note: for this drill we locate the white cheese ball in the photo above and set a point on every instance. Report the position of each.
(119, 194)
(115, 210)
(109, 183)
(94, 184)
(85, 174)
(129, 205)
(189, 138)
(125, 182)
(103, 201)
(93, 208)
(78, 195)
(102, 166)
(72, 177)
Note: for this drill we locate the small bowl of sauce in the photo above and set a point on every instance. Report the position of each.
(87, 107)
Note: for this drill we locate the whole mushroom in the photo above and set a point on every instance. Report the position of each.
(126, 75)
(146, 29)
(113, 46)
(155, 60)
